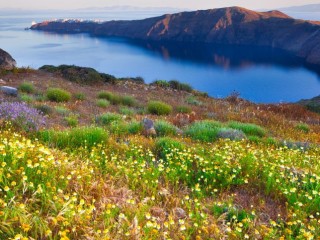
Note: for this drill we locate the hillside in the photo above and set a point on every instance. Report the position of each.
(232, 26)
(85, 155)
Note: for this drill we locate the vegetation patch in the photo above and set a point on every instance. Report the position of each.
(74, 138)
(159, 108)
(58, 95)
(108, 118)
(81, 75)
(164, 128)
(27, 87)
(248, 128)
(204, 131)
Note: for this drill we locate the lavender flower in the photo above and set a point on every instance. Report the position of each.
(22, 116)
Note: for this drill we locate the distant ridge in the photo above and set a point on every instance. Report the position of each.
(303, 8)
(233, 26)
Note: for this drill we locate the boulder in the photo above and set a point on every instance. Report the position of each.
(11, 91)
(148, 127)
(6, 61)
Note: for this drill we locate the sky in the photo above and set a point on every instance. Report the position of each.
(186, 4)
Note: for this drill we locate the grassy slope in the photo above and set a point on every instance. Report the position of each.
(123, 189)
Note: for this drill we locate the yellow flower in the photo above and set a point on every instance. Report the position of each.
(6, 188)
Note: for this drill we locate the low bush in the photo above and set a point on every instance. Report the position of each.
(27, 87)
(248, 128)
(80, 96)
(303, 128)
(180, 86)
(108, 118)
(102, 103)
(62, 110)
(183, 109)
(135, 127)
(204, 131)
(118, 128)
(128, 101)
(72, 120)
(74, 138)
(164, 128)
(26, 98)
(165, 145)
(159, 108)
(192, 100)
(44, 109)
(22, 116)
(127, 111)
(58, 95)
(232, 134)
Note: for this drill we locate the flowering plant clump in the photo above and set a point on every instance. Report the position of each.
(22, 116)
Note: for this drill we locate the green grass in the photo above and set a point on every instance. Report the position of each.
(58, 95)
(183, 109)
(27, 87)
(127, 111)
(165, 145)
(135, 127)
(159, 108)
(204, 131)
(108, 118)
(80, 96)
(26, 98)
(102, 103)
(164, 128)
(72, 120)
(248, 128)
(74, 138)
(61, 110)
(116, 99)
(302, 127)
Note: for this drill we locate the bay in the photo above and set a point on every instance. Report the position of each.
(258, 74)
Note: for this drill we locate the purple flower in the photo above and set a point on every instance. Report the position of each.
(22, 116)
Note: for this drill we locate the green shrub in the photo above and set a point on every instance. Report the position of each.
(118, 128)
(26, 98)
(135, 127)
(165, 145)
(205, 131)
(72, 120)
(108, 118)
(248, 128)
(45, 109)
(232, 134)
(105, 95)
(128, 101)
(161, 83)
(58, 95)
(303, 127)
(159, 108)
(62, 110)
(127, 111)
(164, 128)
(192, 100)
(27, 87)
(103, 103)
(254, 139)
(180, 86)
(80, 96)
(183, 109)
(74, 138)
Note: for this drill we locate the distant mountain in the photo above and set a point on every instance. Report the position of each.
(133, 8)
(230, 26)
(303, 8)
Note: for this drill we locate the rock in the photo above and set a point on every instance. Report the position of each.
(2, 81)
(148, 127)
(179, 213)
(158, 213)
(9, 91)
(6, 61)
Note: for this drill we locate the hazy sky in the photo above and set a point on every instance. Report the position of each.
(192, 4)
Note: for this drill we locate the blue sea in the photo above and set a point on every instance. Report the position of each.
(259, 75)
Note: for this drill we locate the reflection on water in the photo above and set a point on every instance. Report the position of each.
(226, 56)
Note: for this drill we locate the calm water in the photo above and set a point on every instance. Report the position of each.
(260, 75)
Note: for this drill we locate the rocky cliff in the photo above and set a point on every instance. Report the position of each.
(233, 26)
(6, 61)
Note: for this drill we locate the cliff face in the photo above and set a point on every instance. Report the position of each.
(234, 26)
